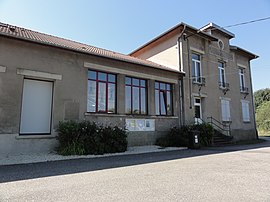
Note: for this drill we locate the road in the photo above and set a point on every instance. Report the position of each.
(235, 173)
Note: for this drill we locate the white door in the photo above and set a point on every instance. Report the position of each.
(36, 107)
(198, 110)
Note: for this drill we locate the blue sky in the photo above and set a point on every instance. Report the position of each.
(124, 25)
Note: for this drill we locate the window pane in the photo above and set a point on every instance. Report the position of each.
(135, 82)
(198, 69)
(111, 98)
(142, 83)
(101, 76)
(128, 80)
(157, 85)
(91, 96)
(197, 112)
(101, 97)
(162, 102)
(157, 101)
(143, 101)
(168, 86)
(111, 78)
(128, 99)
(195, 56)
(169, 104)
(193, 69)
(162, 86)
(135, 100)
(92, 75)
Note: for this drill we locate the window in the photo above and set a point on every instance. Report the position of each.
(101, 92)
(135, 96)
(245, 111)
(196, 68)
(221, 73)
(242, 80)
(225, 110)
(163, 98)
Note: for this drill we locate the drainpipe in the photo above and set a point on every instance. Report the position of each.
(189, 74)
(181, 86)
(252, 101)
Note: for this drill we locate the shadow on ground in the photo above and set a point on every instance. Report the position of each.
(11, 173)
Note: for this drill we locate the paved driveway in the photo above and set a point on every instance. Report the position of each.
(238, 173)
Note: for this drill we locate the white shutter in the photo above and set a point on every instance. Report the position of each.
(225, 110)
(36, 107)
(245, 111)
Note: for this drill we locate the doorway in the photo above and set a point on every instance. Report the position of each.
(198, 110)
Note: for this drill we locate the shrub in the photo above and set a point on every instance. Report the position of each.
(178, 137)
(85, 137)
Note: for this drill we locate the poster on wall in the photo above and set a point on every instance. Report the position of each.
(140, 124)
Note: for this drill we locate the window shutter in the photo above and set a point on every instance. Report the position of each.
(245, 111)
(225, 110)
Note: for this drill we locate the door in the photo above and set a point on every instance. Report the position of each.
(198, 110)
(36, 109)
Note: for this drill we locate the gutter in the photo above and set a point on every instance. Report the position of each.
(181, 83)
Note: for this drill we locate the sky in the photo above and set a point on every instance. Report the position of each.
(124, 25)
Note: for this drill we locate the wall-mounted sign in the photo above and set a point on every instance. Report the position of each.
(140, 124)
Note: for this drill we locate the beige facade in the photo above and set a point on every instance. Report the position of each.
(205, 93)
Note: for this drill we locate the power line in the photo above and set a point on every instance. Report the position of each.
(248, 22)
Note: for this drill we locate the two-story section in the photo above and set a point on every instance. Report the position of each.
(217, 85)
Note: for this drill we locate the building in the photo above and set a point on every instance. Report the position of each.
(167, 82)
(217, 85)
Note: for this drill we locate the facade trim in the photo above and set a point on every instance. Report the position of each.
(127, 72)
(44, 75)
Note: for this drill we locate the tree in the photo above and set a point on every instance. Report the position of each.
(261, 96)
(262, 116)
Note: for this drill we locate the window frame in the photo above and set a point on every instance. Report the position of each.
(196, 77)
(166, 90)
(221, 74)
(140, 87)
(242, 79)
(106, 82)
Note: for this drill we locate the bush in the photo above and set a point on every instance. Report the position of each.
(178, 137)
(85, 137)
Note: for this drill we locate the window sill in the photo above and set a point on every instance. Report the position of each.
(35, 136)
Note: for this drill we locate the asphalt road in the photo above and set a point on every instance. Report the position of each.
(237, 173)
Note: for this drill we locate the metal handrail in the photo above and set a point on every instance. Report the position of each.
(220, 126)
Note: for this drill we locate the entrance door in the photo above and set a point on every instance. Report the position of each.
(198, 110)
(36, 110)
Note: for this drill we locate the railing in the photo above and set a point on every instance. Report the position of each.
(244, 90)
(224, 85)
(223, 128)
(198, 80)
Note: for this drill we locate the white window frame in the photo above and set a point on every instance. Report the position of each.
(196, 77)
(221, 71)
(242, 79)
(225, 110)
(245, 110)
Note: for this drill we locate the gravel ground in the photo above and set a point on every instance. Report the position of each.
(45, 157)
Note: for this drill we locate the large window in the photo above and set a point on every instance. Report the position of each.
(221, 73)
(163, 98)
(101, 92)
(245, 111)
(225, 110)
(242, 80)
(196, 68)
(135, 96)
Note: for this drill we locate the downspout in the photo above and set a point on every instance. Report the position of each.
(181, 86)
(189, 74)
(252, 100)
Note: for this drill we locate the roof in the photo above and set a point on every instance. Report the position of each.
(173, 29)
(49, 40)
(250, 55)
(213, 26)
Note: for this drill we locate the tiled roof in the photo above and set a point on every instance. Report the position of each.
(40, 38)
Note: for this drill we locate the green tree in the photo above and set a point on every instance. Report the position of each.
(261, 96)
(262, 116)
